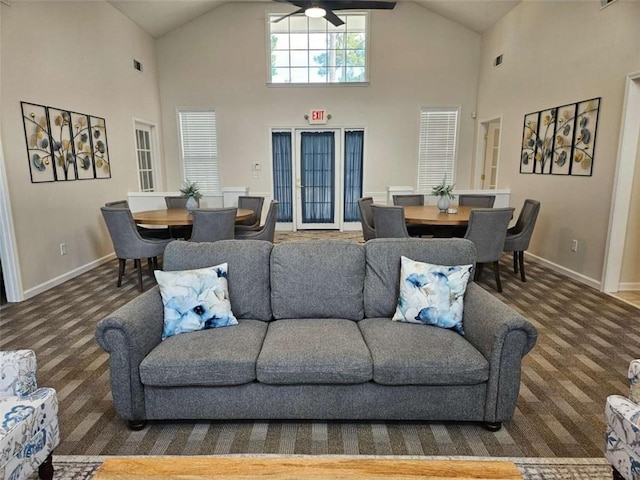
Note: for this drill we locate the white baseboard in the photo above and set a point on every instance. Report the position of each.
(54, 282)
(628, 286)
(284, 227)
(566, 271)
(351, 226)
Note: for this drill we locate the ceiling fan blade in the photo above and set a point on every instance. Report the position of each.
(297, 3)
(358, 5)
(333, 18)
(300, 10)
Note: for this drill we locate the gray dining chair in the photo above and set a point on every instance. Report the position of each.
(486, 201)
(519, 236)
(268, 230)
(161, 233)
(408, 200)
(414, 199)
(129, 244)
(255, 205)
(389, 222)
(182, 231)
(178, 202)
(366, 218)
(487, 230)
(213, 224)
(118, 204)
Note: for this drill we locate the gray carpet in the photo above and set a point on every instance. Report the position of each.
(586, 340)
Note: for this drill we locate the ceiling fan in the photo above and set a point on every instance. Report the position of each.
(325, 8)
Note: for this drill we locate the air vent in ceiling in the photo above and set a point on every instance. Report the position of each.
(137, 65)
(498, 61)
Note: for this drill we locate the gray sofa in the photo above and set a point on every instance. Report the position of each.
(315, 340)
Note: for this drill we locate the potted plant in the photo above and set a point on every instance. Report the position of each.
(192, 192)
(445, 192)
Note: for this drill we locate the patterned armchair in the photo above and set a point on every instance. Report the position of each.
(622, 441)
(28, 419)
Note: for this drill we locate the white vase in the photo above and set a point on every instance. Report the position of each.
(191, 205)
(443, 203)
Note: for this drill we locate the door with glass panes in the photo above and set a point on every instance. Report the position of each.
(317, 180)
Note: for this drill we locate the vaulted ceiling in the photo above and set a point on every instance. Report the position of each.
(161, 16)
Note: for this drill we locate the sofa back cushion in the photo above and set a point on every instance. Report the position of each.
(317, 279)
(382, 279)
(248, 271)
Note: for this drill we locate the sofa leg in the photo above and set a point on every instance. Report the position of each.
(492, 426)
(45, 470)
(136, 425)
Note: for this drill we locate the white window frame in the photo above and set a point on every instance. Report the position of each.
(154, 167)
(367, 69)
(436, 160)
(205, 170)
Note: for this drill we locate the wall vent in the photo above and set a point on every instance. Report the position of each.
(498, 61)
(137, 65)
(606, 3)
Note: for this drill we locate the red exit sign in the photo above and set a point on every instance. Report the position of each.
(317, 117)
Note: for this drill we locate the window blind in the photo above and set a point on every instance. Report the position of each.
(199, 149)
(438, 144)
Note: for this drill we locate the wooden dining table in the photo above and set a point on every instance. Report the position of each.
(176, 216)
(431, 215)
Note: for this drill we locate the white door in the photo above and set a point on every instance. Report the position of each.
(318, 179)
(491, 155)
(145, 153)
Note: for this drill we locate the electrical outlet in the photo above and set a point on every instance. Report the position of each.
(574, 245)
(63, 249)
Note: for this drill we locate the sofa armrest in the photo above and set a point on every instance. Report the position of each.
(623, 420)
(633, 375)
(17, 373)
(504, 337)
(129, 334)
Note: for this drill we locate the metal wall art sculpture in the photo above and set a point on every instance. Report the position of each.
(560, 140)
(64, 145)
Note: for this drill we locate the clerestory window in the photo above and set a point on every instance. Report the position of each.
(313, 50)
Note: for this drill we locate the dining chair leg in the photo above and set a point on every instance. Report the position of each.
(139, 264)
(521, 261)
(496, 272)
(478, 272)
(121, 264)
(150, 266)
(515, 262)
(155, 263)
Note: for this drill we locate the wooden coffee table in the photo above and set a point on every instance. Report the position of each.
(302, 468)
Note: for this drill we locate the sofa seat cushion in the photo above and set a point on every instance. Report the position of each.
(412, 354)
(218, 356)
(312, 350)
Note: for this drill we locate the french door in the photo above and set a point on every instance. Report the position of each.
(318, 183)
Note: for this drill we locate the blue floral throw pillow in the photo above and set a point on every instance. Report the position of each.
(432, 294)
(195, 299)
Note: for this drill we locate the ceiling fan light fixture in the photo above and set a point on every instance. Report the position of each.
(315, 12)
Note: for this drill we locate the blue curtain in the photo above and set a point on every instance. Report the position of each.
(353, 159)
(318, 172)
(282, 188)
